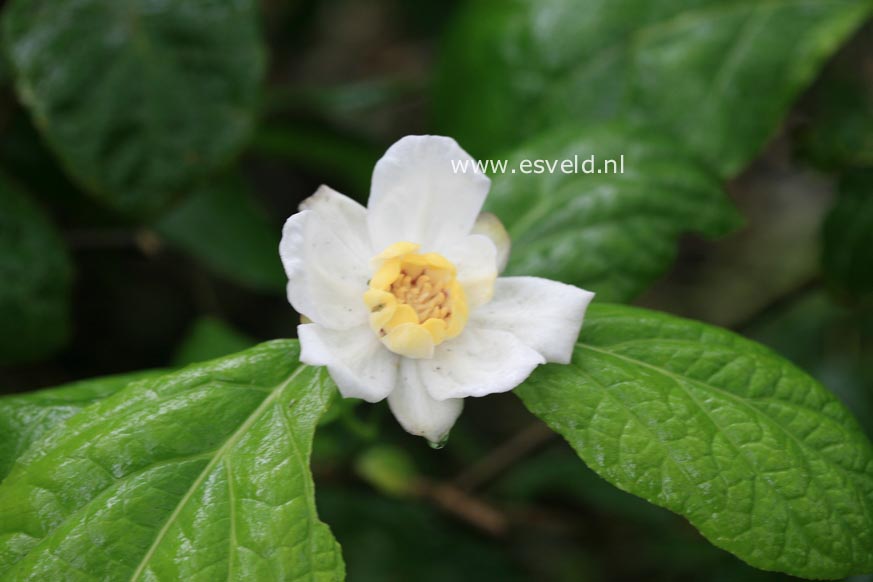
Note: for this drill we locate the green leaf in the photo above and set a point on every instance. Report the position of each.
(386, 539)
(832, 342)
(25, 418)
(758, 456)
(848, 236)
(389, 470)
(839, 131)
(719, 74)
(347, 159)
(610, 233)
(138, 99)
(196, 475)
(35, 280)
(222, 225)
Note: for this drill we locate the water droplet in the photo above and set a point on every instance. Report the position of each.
(437, 445)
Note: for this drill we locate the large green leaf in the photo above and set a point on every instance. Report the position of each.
(138, 98)
(196, 475)
(223, 226)
(832, 342)
(25, 418)
(763, 460)
(610, 233)
(718, 73)
(35, 280)
(848, 236)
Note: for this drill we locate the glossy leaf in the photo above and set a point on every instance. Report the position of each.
(196, 475)
(764, 461)
(610, 233)
(25, 418)
(848, 236)
(35, 280)
(138, 98)
(224, 227)
(719, 74)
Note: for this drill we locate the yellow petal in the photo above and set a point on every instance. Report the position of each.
(410, 340)
(396, 250)
(387, 274)
(382, 306)
(437, 329)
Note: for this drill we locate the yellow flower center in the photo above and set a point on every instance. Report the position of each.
(415, 300)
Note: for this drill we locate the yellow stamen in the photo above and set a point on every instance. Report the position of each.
(415, 300)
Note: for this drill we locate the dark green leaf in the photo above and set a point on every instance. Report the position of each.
(839, 128)
(35, 280)
(389, 540)
(847, 255)
(756, 454)
(25, 418)
(202, 474)
(223, 226)
(210, 338)
(610, 233)
(720, 74)
(347, 159)
(139, 99)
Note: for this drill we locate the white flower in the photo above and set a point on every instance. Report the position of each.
(404, 300)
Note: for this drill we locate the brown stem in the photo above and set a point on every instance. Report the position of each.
(504, 456)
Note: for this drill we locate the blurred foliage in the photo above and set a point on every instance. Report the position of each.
(222, 226)
(577, 227)
(848, 237)
(139, 99)
(210, 338)
(839, 132)
(150, 152)
(36, 276)
(388, 540)
(711, 72)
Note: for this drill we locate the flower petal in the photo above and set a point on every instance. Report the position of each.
(545, 315)
(418, 196)
(477, 363)
(325, 250)
(416, 411)
(475, 258)
(357, 361)
(489, 225)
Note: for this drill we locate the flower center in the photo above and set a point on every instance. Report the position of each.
(415, 300)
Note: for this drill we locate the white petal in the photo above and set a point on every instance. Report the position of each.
(418, 196)
(416, 411)
(475, 257)
(326, 251)
(489, 225)
(476, 363)
(545, 315)
(357, 361)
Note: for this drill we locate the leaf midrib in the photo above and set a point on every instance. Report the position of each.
(678, 380)
(216, 458)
